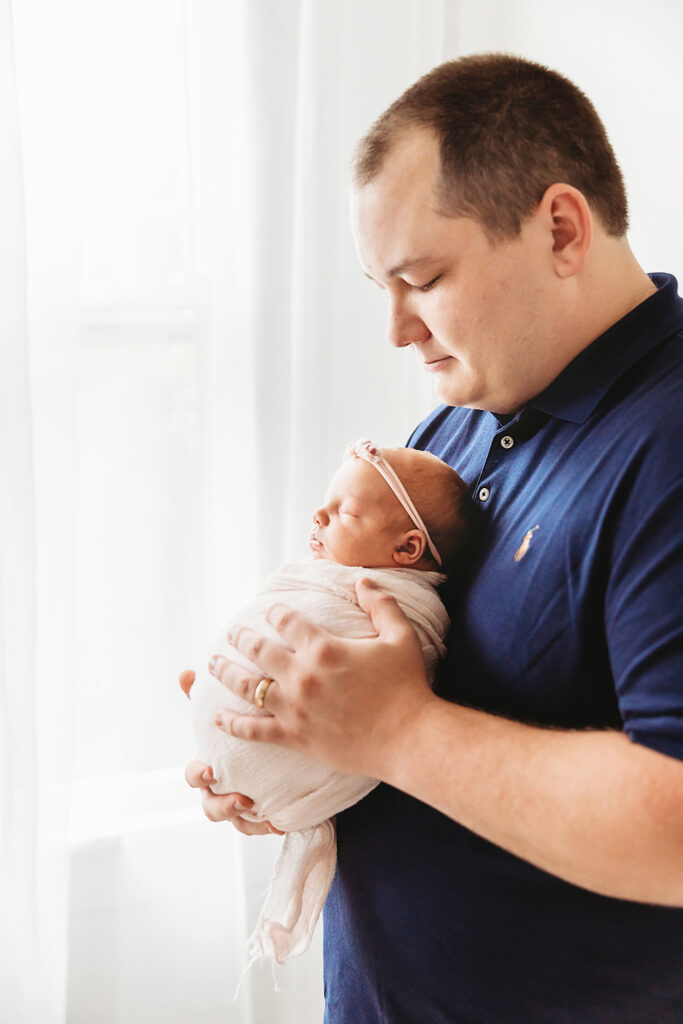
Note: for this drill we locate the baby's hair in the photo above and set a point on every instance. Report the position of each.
(443, 500)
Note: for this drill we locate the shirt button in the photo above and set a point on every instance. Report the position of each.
(507, 441)
(483, 494)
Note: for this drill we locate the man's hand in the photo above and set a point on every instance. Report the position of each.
(592, 807)
(225, 806)
(346, 702)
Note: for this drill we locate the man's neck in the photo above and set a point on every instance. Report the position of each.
(615, 284)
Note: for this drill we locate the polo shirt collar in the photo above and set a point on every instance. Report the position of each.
(575, 393)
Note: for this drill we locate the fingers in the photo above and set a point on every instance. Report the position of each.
(260, 728)
(293, 627)
(255, 828)
(242, 683)
(226, 806)
(186, 680)
(231, 807)
(271, 657)
(387, 618)
(199, 775)
(276, 661)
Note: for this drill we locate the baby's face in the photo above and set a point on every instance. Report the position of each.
(361, 520)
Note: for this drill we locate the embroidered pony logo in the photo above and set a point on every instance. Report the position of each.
(524, 546)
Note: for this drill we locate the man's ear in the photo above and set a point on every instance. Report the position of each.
(570, 222)
(410, 548)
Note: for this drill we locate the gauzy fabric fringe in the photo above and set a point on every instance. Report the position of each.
(301, 880)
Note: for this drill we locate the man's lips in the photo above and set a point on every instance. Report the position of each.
(432, 365)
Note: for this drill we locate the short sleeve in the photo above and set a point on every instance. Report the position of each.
(644, 601)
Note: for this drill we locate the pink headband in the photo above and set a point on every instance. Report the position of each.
(369, 452)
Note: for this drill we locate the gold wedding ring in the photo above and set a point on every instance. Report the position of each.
(261, 691)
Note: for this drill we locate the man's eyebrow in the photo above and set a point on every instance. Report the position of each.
(401, 268)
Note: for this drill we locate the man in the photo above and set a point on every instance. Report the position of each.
(524, 860)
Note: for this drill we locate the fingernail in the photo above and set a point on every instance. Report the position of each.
(229, 636)
(207, 775)
(218, 719)
(370, 584)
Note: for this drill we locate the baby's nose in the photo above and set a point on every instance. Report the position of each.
(320, 517)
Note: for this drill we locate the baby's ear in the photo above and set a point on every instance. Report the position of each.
(410, 548)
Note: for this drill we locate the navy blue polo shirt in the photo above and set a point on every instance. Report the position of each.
(570, 618)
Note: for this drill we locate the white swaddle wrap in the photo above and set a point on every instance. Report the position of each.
(295, 793)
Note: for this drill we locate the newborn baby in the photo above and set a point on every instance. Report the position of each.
(399, 517)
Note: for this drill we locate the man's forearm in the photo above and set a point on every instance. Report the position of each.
(591, 807)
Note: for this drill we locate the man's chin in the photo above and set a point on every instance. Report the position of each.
(450, 394)
(457, 394)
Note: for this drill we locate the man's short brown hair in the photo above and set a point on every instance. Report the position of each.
(508, 129)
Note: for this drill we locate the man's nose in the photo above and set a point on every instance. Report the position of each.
(405, 328)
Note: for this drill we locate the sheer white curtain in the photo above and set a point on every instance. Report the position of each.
(20, 924)
(194, 320)
(201, 347)
(36, 587)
